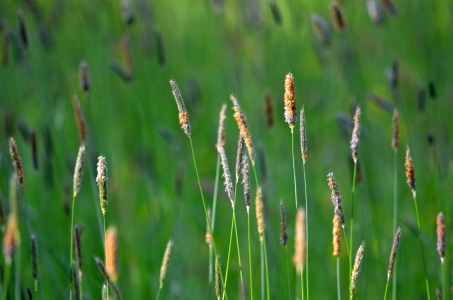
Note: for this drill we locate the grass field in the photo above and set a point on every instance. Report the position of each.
(213, 49)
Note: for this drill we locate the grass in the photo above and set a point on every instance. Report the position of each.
(135, 126)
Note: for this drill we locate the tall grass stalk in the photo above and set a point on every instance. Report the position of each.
(338, 278)
(352, 220)
(6, 276)
(287, 272)
(421, 246)
(395, 214)
(250, 255)
(263, 250)
(72, 243)
(306, 231)
(204, 202)
(214, 206)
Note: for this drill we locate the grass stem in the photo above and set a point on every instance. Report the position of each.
(352, 223)
(395, 215)
(306, 231)
(250, 256)
(7, 273)
(338, 278)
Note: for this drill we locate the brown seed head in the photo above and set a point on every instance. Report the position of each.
(336, 236)
(284, 233)
(303, 136)
(165, 263)
(34, 149)
(10, 239)
(111, 247)
(410, 172)
(396, 131)
(112, 285)
(23, 32)
(84, 76)
(17, 162)
(226, 176)
(221, 130)
(34, 258)
(356, 269)
(259, 207)
(78, 171)
(396, 243)
(269, 110)
(290, 101)
(246, 181)
(336, 198)
(356, 135)
(75, 280)
(183, 113)
(78, 248)
(441, 241)
(241, 119)
(337, 15)
(299, 245)
(389, 6)
(375, 11)
(80, 120)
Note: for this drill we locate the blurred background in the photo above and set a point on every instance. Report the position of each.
(389, 54)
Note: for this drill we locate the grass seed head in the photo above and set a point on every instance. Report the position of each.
(303, 136)
(113, 286)
(239, 157)
(34, 149)
(269, 109)
(410, 172)
(336, 198)
(246, 181)
(101, 180)
(84, 76)
(336, 236)
(241, 120)
(290, 101)
(259, 209)
(111, 247)
(78, 248)
(284, 233)
(183, 113)
(226, 176)
(75, 280)
(17, 162)
(396, 243)
(356, 135)
(441, 241)
(218, 278)
(34, 258)
(396, 130)
(299, 245)
(127, 12)
(208, 236)
(127, 55)
(337, 15)
(275, 13)
(320, 27)
(221, 130)
(165, 263)
(438, 294)
(356, 269)
(78, 171)
(10, 239)
(80, 119)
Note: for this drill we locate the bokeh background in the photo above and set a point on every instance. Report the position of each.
(213, 49)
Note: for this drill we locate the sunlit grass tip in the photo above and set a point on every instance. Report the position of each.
(111, 247)
(221, 130)
(17, 161)
(410, 172)
(246, 181)
(218, 278)
(299, 241)
(396, 243)
(336, 232)
(259, 207)
(101, 180)
(337, 15)
(303, 136)
(356, 269)
(283, 231)
(356, 134)
(441, 241)
(78, 171)
(336, 198)
(239, 157)
(226, 176)
(183, 113)
(80, 119)
(396, 130)
(290, 101)
(241, 119)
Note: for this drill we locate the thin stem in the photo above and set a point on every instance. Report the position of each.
(444, 285)
(250, 255)
(158, 293)
(302, 281)
(262, 271)
(204, 204)
(352, 224)
(338, 278)
(421, 246)
(228, 259)
(71, 243)
(18, 273)
(306, 230)
(105, 252)
(266, 266)
(294, 167)
(237, 242)
(214, 206)
(395, 215)
(287, 272)
(386, 288)
(6, 275)
(346, 242)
